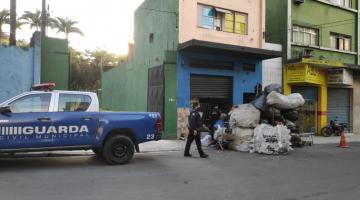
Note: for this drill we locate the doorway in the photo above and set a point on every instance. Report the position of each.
(307, 122)
(212, 91)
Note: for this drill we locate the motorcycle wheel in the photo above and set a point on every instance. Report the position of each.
(339, 131)
(326, 132)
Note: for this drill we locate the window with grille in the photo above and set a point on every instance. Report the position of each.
(344, 3)
(340, 42)
(223, 20)
(305, 36)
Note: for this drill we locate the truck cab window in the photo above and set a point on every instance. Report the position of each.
(73, 103)
(31, 103)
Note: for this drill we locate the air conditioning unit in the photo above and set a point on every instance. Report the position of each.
(299, 1)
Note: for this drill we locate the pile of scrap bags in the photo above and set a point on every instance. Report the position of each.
(263, 125)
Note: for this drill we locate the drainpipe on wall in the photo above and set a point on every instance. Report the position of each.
(43, 18)
(12, 23)
(36, 57)
(289, 26)
(262, 23)
(287, 46)
(358, 34)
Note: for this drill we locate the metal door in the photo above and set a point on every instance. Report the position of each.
(339, 105)
(156, 93)
(214, 87)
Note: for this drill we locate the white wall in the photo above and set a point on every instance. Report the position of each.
(272, 68)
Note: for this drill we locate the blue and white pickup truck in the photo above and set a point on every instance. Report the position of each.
(44, 120)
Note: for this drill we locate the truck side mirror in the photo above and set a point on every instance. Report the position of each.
(5, 109)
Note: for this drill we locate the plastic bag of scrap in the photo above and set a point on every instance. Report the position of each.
(273, 88)
(206, 140)
(246, 116)
(281, 101)
(271, 115)
(272, 140)
(292, 115)
(260, 102)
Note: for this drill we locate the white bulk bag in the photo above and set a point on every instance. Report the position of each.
(281, 101)
(243, 133)
(272, 140)
(242, 138)
(246, 116)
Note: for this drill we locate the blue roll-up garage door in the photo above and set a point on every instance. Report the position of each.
(339, 105)
(308, 92)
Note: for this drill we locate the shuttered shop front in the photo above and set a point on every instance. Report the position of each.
(217, 87)
(339, 105)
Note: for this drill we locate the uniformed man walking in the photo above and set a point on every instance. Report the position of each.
(195, 126)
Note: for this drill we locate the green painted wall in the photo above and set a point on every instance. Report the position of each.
(55, 65)
(276, 21)
(329, 55)
(125, 87)
(326, 18)
(170, 95)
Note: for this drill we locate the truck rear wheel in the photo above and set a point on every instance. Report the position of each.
(118, 149)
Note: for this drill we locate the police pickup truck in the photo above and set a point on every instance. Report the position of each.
(45, 120)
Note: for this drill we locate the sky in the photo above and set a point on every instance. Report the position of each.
(106, 24)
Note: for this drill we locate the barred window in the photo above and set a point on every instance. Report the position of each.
(344, 3)
(305, 35)
(223, 20)
(340, 42)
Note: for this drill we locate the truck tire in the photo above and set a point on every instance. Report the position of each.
(118, 149)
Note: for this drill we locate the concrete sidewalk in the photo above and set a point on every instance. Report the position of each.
(163, 145)
(178, 145)
(336, 139)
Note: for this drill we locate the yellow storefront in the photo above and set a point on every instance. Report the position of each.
(310, 74)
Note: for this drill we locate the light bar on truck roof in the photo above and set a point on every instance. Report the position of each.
(43, 86)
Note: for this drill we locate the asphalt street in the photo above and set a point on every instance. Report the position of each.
(320, 172)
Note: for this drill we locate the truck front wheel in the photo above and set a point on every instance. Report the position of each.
(118, 149)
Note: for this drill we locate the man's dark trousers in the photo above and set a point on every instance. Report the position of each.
(190, 139)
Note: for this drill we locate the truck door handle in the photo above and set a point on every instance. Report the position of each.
(44, 119)
(86, 118)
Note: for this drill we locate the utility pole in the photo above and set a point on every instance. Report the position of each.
(12, 23)
(43, 19)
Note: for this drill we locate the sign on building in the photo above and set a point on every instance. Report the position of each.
(305, 74)
(340, 77)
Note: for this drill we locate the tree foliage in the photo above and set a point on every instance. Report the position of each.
(4, 19)
(66, 26)
(33, 19)
(87, 67)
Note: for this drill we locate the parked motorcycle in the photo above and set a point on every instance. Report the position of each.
(334, 128)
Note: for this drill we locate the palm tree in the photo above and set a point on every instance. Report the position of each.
(19, 24)
(4, 19)
(32, 19)
(66, 26)
(13, 20)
